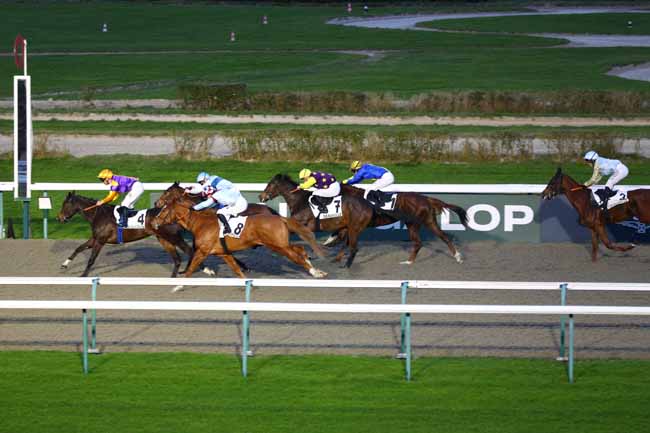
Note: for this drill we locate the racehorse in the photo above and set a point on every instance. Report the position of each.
(271, 231)
(417, 210)
(357, 213)
(104, 230)
(594, 218)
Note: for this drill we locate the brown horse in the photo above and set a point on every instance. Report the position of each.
(357, 213)
(594, 218)
(417, 210)
(271, 231)
(104, 230)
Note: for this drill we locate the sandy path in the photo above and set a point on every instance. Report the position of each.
(367, 334)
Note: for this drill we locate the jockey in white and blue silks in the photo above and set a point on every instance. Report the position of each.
(218, 190)
(605, 167)
(382, 177)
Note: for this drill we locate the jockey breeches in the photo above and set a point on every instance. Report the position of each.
(385, 180)
(238, 207)
(332, 191)
(619, 174)
(136, 191)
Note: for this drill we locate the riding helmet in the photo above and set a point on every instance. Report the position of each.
(203, 176)
(591, 156)
(105, 174)
(356, 165)
(304, 173)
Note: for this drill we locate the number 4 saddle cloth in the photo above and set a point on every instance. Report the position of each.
(135, 219)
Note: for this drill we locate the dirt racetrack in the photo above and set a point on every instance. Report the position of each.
(290, 333)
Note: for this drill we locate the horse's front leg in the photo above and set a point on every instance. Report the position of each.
(232, 262)
(171, 250)
(594, 246)
(97, 247)
(88, 244)
(197, 259)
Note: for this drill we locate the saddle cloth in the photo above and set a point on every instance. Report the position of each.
(237, 225)
(387, 199)
(334, 208)
(619, 197)
(135, 220)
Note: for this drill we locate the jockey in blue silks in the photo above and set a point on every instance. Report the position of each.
(218, 190)
(382, 177)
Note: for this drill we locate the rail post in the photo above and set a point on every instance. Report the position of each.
(45, 215)
(563, 296)
(245, 352)
(2, 216)
(407, 319)
(571, 358)
(402, 345)
(93, 318)
(84, 333)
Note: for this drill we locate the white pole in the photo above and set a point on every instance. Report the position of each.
(25, 57)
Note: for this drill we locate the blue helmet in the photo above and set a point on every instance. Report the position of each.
(203, 176)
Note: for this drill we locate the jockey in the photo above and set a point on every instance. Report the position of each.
(218, 190)
(381, 176)
(325, 185)
(121, 184)
(605, 167)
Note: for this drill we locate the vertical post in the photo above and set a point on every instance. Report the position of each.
(85, 340)
(245, 333)
(25, 218)
(402, 346)
(571, 359)
(2, 217)
(45, 212)
(563, 293)
(93, 317)
(249, 286)
(408, 346)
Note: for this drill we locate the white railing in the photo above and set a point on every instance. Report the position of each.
(406, 310)
(259, 187)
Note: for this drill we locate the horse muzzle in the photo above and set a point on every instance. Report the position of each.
(264, 197)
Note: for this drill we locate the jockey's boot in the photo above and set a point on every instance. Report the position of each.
(123, 211)
(322, 208)
(224, 221)
(606, 195)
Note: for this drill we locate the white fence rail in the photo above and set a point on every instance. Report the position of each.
(406, 310)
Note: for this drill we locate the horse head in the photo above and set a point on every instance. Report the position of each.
(69, 208)
(171, 193)
(279, 184)
(554, 187)
(173, 210)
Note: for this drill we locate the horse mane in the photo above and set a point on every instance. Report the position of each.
(284, 177)
(87, 201)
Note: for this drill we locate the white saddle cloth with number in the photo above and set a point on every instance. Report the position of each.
(236, 224)
(137, 221)
(334, 208)
(619, 198)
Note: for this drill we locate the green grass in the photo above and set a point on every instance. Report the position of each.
(599, 24)
(161, 392)
(162, 169)
(293, 53)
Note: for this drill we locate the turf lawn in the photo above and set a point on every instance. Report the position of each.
(163, 392)
(296, 51)
(161, 169)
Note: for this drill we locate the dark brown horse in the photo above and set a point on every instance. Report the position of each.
(594, 218)
(271, 231)
(357, 213)
(417, 210)
(104, 230)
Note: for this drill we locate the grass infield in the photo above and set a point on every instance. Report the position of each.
(165, 392)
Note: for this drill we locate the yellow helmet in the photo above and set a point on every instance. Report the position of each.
(304, 173)
(105, 174)
(356, 165)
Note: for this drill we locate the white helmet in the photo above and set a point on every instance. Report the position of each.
(591, 156)
(203, 176)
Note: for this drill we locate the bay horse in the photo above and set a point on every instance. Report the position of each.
(416, 210)
(271, 231)
(104, 230)
(593, 217)
(357, 213)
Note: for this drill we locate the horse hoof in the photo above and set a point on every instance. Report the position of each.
(317, 273)
(65, 264)
(458, 257)
(178, 289)
(406, 262)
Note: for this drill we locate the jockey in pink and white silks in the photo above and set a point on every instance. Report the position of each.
(613, 168)
(218, 190)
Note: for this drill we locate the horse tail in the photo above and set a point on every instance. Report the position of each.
(439, 206)
(304, 233)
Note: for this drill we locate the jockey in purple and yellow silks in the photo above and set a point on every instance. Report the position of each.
(322, 184)
(120, 185)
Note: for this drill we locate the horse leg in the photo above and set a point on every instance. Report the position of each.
(594, 246)
(298, 255)
(197, 259)
(341, 253)
(353, 237)
(171, 250)
(335, 238)
(432, 224)
(414, 235)
(97, 247)
(234, 265)
(605, 239)
(88, 244)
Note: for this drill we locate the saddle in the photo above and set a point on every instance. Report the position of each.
(379, 198)
(321, 202)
